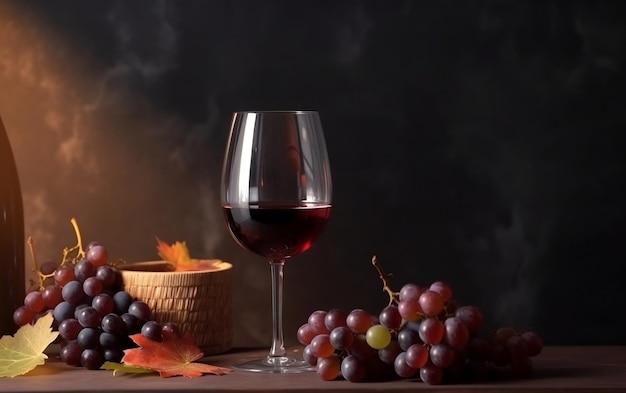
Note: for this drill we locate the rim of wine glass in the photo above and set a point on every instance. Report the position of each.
(297, 111)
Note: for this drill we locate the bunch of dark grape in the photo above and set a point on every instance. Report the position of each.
(421, 334)
(92, 312)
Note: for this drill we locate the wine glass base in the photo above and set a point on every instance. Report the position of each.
(274, 365)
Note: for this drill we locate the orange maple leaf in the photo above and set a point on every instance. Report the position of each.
(178, 255)
(171, 357)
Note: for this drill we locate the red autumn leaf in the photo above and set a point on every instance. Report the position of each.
(171, 357)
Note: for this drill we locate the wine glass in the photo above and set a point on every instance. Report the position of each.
(276, 195)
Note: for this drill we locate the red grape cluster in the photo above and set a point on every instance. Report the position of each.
(92, 312)
(422, 334)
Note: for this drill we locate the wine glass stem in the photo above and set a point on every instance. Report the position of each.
(278, 342)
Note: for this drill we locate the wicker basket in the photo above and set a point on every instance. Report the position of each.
(200, 302)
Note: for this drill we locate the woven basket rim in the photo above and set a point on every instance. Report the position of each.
(223, 266)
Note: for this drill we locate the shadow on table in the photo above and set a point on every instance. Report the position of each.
(564, 372)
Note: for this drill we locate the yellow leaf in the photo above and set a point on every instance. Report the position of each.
(24, 351)
(126, 369)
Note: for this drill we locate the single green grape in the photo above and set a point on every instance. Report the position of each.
(378, 337)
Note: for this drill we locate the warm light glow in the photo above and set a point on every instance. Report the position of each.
(87, 144)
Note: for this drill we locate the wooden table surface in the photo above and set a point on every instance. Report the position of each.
(556, 369)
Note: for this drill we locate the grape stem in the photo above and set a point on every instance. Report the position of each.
(79, 246)
(41, 277)
(66, 252)
(384, 277)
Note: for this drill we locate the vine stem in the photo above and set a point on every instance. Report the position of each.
(79, 239)
(80, 253)
(40, 276)
(32, 252)
(66, 252)
(384, 278)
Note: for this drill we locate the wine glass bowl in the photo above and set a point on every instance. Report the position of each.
(276, 195)
(279, 232)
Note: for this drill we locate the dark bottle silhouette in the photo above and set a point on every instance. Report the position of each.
(11, 237)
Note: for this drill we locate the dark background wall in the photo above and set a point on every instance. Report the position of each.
(479, 142)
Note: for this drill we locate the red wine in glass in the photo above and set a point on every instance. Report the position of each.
(277, 232)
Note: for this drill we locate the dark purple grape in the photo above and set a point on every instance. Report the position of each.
(84, 269)
(471, 316)
(103, 303)
(63, 311)
(48, 267)
(91, 359)
(113, 323)
(432, 330)
(70, 354)
(34, 301)
(401, 367)
(359, 320)
(89, 317)
(308, 356)
(431, 374)
(93, 244)
(52, 295)
(335, 318)
(516, 347)
(321, 346)
(141, 310)
(64, 274)
(98, 255)
(534, 343)
(23, 316)
(390, 317)
(113, 355)
(88, 338)
(353, 369)
(328, 368)
(78, 308)
(416, 356)
(172, 329)
(408, 337)
(410, 291)
(133, 324)
(69, 329)
(108, 340)
(92, 286)
(341, 337)
(361, 349)
(456, 333)
(106, 274)
(317, 322)
(442, 355)
(152, 330)
(390, 352)
(305, 334)
(413, 325)
(73, 292)
(122, 301)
